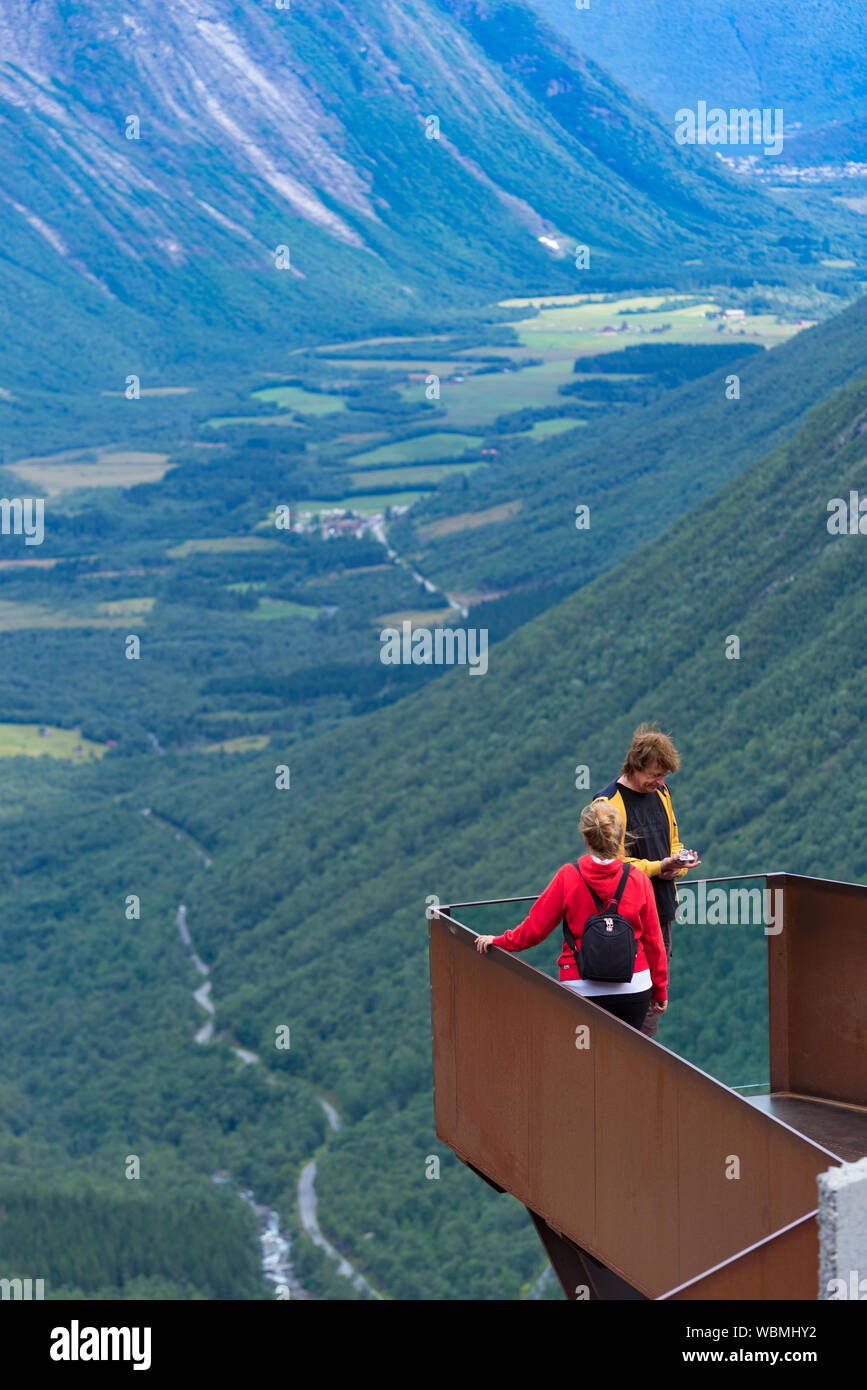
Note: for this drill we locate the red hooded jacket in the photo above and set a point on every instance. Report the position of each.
(567, 896)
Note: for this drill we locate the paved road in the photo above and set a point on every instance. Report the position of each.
(379, 532)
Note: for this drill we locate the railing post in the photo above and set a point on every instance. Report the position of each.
(778, 989)
(817, 991)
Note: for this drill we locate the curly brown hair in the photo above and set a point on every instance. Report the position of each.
(649, 745)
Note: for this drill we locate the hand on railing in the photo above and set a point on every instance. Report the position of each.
(484, 943)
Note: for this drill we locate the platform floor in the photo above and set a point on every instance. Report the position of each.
(835, 1127)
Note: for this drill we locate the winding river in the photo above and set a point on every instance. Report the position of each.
(276, 1244)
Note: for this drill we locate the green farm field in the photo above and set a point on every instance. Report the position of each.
(247, 743)
(282, 608)
(16, 615)
(568, 328)
(217, 422)
(418, 366)
(479, 400)
(221, 544)
(412, 476)
(57, 473)
(562, 330)
(544, 429)
(25, 740)
(558, 327)
(423, 449)
(363, 503)
(375, 342)
(296, 398)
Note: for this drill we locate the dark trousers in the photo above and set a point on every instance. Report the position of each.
(650, 1026)
(631, 1008)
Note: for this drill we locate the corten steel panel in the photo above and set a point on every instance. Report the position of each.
(443, 1021)
(493, 1067)
(818, 991)
(786, 1266)
(658, 1124)
(564, 1086)
(776, 1181)
(793, 1178)
(778, 992)
(728, 1211)
(637, 1208)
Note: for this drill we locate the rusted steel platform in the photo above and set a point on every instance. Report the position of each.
(622, 1151)
(839, 1128)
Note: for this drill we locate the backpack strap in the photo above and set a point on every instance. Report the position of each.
(621, 885)
(600, 905)
(573, 944)
(595, 896)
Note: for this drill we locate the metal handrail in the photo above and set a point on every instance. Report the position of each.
(681, 882)
(446, 908)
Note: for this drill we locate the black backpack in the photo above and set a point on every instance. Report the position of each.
(608, 944)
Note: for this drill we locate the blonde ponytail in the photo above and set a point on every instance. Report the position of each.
(601, 824)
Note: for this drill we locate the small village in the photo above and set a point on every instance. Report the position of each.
(766, 169)
(330, 522)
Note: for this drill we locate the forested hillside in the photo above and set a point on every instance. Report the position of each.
(311, 912)
(804, 58)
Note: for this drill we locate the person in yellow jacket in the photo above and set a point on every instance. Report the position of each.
(651, 839)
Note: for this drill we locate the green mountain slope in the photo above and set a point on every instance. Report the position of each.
(806, 59)
(638, 474)
(311, 912)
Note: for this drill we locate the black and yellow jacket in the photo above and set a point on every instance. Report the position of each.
(648, 866)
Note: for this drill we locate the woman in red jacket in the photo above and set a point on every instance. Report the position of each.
(567, 896)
